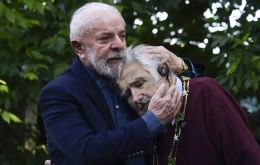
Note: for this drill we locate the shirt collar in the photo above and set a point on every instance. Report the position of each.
(100, 80)
(178, 85)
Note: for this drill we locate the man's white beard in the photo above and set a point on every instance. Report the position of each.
(100, 64)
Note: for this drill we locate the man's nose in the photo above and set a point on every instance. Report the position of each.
(118, 43)
(136, 95)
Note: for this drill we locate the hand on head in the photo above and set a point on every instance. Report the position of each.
(161, 54)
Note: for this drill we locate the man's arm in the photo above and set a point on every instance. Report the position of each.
(175, 63)
(72, 133)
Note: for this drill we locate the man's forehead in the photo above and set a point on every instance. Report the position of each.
(99, 30)
(102, 29)
(106, 31)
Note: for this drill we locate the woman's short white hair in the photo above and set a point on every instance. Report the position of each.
(136, 55)
(82, 19)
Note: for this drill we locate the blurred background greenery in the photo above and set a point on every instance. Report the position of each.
(34, 48)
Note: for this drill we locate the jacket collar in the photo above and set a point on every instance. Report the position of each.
(81, 73)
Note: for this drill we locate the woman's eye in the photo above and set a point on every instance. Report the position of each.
(126, 94)
(139, 84)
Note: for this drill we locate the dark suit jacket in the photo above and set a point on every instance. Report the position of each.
(216, 131)
(79, 126)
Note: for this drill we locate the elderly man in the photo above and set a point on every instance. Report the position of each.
(210, 129)
(86, 121)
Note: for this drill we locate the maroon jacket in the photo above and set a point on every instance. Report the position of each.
(216, 132)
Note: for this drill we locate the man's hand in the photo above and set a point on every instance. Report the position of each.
(165, 104)
(161, 54)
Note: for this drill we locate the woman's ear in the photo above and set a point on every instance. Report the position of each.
(166, 74)
(163, 69)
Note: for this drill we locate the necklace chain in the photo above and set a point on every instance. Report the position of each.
(177, 127)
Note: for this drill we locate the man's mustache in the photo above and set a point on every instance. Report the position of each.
(142, 103)
(112, 55)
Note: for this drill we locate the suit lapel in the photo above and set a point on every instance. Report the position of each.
(92, 89)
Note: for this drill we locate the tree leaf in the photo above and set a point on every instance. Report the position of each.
(2, 82)
(14, 118)
(10, 117)
(60, 43)
(4, 89)
(10, 16)
(6, 117)
(31, 76)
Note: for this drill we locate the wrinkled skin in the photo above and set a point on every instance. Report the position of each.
(140, 88)
(159, 53)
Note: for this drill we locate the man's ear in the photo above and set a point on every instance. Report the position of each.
(77, 46)
(163, 69)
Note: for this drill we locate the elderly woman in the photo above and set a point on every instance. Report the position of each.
(210, 128)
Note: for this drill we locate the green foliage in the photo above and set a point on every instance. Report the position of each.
(3, 87)
(35, 49)
(8, 117)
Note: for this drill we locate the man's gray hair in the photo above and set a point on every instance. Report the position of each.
(83, 18)
(137, 55)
